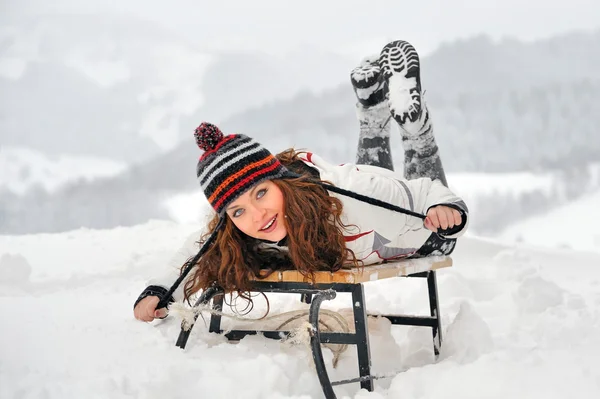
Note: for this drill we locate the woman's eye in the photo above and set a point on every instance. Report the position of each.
(261, 193)
(238, 212)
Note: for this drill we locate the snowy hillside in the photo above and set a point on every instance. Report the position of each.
(82, 84)
(518, 323)
(121, 87)
(479, 64)
(574, 225)
(22, 169)
(472, 185)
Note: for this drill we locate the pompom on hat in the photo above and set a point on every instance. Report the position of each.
(232, 164)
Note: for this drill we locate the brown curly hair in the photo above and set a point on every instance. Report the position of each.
(315, 238)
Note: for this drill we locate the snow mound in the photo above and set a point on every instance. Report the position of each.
(518, 321)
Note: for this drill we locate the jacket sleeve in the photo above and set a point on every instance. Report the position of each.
(428, 193)
(418, 195)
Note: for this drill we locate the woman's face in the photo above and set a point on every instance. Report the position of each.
(259, 212)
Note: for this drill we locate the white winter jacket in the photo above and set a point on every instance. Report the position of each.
(374, 233)
(382, 234)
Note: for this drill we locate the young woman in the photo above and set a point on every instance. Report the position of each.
(296, 210)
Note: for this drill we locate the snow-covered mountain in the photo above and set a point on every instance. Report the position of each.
(112, 83)
(120, 87)
(143, 192)
(116, 86)
(480, 64)
(512, 128)
(104, 86)
(23, 169)
(518, 321)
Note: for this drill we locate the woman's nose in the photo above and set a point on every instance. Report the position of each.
(258, 213)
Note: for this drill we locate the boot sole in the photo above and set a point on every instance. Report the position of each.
(367, 84)
(399, 61)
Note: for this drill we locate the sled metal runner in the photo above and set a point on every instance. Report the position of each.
(316, 294)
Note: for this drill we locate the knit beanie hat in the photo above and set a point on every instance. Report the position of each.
(231, 165)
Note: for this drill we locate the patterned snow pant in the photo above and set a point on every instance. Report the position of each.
(421, 155)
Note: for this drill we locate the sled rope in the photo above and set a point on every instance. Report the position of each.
(299, 335)
(372, 201)
(189, 265)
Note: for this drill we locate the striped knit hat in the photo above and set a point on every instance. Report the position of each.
(231, 165)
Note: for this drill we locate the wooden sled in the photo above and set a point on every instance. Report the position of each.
(327, 286)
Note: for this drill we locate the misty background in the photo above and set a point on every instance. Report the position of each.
(99, 100)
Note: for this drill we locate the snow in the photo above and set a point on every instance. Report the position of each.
(104, 73)
(22, 169)
(473, 184)
(188, 207)
(519, 321)
(574, 225)
(12, 68)
(118, 55)
(399, 95)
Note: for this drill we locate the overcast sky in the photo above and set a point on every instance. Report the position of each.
(344, 25)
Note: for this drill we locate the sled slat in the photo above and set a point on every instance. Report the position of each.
(399, 268)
